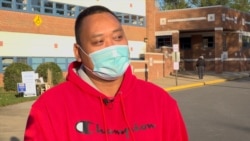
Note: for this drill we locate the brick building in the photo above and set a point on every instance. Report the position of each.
(218, 33)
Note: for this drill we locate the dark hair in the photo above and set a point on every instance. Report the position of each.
(89, 11)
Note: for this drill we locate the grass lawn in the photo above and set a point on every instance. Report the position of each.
(9, 98)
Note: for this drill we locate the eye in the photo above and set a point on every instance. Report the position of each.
(98, 42)
(118, 37)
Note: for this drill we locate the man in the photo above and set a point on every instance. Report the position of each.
(102, 100)
(200, 64)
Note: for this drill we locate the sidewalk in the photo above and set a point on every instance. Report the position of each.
(13, 121)
(189, 79)
(13, 118)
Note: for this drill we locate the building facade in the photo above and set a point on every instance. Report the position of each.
(220, 34)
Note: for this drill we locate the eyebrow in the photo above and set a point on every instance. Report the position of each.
(114, 31)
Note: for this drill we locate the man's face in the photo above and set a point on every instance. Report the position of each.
(99, 31)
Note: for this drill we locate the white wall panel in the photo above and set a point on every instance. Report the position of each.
(136, 48)
(40, 45)
(23, 44)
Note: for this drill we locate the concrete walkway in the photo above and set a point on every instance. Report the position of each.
(13, 118)
(13, 121)
(190, 79)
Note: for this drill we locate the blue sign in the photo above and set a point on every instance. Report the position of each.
(21, 87)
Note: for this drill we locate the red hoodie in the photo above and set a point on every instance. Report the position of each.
(75, 111)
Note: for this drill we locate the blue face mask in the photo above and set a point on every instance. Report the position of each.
(110, 62)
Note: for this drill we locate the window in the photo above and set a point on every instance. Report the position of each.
(163, 41)
(21, 4)
(208, 42)
(59, 9)
(119, 16)
(70, 10)
(141, 20)
(35, 5)
(49, 60)
(35, 62)
(64, 62)
(245, 41)
(81, 9)
(185, 43)
(63, 67)
(48, 7)
(126, 19)
(6, 61)
(6, 3)
(134, 19)
(22, 60)
(70, 60)
(60, 60)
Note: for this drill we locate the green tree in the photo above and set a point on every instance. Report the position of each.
(56, 72)
(175, 4)
(202, 3)
(242, 5)
(13, 75)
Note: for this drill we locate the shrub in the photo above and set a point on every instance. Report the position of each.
(13, 75)
(56, 72)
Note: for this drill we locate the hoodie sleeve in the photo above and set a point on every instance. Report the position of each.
(38, 127)
(175, 128)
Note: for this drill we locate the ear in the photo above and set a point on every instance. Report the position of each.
(77, 53)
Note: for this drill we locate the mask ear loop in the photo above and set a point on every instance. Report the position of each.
(84, 66)
(79, 47)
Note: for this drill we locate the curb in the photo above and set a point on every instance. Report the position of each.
(185, 86)
(199, 84)
(215, 81)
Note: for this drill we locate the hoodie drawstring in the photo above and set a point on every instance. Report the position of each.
(125, 117)
(104, 119)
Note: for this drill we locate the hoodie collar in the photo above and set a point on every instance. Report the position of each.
(85, 77)
(125, 88)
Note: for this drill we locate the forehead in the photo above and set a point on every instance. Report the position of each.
(99, 22)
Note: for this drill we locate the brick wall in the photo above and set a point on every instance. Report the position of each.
(150, 33)
(23, 22)
(202, 24)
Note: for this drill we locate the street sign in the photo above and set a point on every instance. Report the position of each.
(37, 20)
(28, 77)
(176, 65)
(175, 48)
(21, 87)
(176, 56)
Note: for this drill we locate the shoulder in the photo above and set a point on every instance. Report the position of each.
(54, 94)
(154, 91)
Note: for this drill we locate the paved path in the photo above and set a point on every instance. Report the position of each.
(13, 121)
(13, 118)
